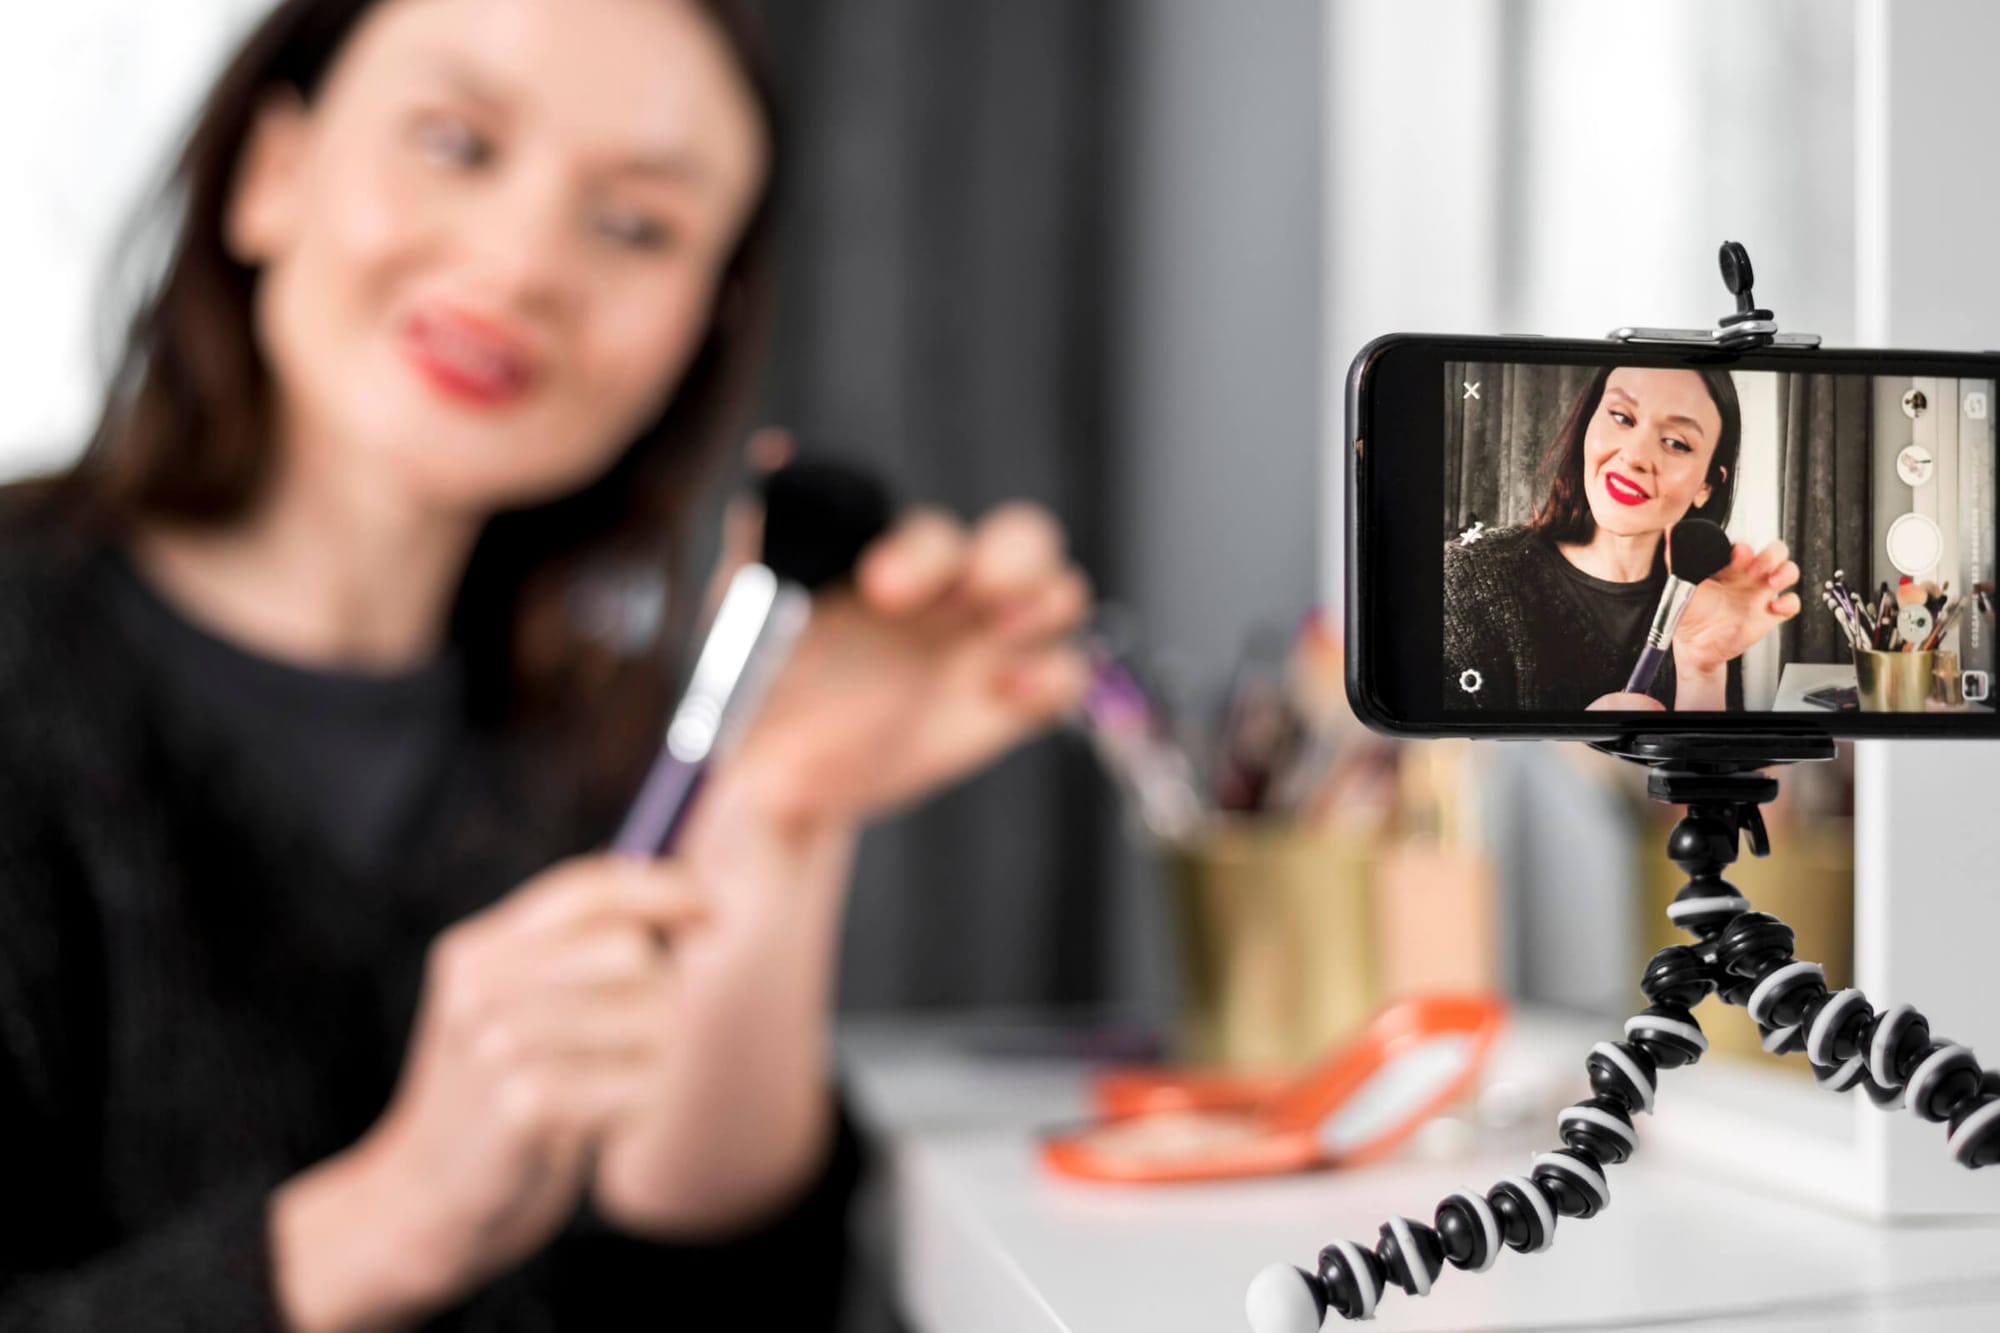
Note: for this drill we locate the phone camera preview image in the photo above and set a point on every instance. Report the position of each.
(1853, 517)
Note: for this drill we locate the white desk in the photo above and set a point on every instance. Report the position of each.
(984, 1241)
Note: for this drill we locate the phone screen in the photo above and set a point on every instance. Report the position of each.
(1633, 537)
(1858, 512)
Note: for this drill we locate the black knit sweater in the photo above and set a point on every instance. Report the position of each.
(197, 1002)
(1517, 638)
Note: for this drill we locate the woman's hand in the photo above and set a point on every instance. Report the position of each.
(543, 1022)
(1623, 702)
(952, 648)
(1735, 609)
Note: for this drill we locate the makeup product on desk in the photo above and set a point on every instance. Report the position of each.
(1354, 1105)
(818, 518)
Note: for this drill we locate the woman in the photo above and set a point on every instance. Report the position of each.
(1552, 615)
(298, 1027)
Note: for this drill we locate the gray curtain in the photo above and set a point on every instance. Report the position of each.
(1495, 443)
(943, 319)
(1824, 459)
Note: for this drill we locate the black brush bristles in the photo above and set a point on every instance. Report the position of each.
(1697, 550)
(819, 516)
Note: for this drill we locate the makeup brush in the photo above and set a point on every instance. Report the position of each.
(1697, 550)
(819, 516)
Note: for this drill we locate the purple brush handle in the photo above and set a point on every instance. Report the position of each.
(1649, 667)
(655, 817)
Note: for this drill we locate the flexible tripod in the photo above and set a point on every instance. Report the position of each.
(1745, 957)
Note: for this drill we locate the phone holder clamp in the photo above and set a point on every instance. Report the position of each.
(1745, 328)
(1744, 957)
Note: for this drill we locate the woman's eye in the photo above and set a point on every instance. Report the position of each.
(1679, 446)
(1621, 418)
(453, 142)
(634, 231)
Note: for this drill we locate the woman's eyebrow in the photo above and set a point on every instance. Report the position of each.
(466, 81)
(667, 164)
(1690, 424)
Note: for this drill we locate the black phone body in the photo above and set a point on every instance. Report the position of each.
(1873, 462)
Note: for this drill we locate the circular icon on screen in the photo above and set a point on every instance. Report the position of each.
(1915, 404)
(1915, 465)
(1471, 681)
(1915, 544)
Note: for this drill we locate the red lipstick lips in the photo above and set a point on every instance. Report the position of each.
(468, 358)
(1624, 490)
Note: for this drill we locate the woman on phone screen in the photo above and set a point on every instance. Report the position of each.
(1553, 614)
(316, 1012)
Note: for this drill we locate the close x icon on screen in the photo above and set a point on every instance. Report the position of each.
(1472, 391)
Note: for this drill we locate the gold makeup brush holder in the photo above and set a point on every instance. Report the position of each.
(1276, 937)
(1894, 682)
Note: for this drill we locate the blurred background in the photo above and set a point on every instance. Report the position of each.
(1115, 256)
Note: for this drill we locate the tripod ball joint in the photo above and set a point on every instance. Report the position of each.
(1975, 1127)
(1948, 1078)
(1752, 943)
(1601, 1127)
(1677, 974)
(1669, 1034)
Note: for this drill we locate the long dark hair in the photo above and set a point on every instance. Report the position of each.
(186, 435)
(1565, 512)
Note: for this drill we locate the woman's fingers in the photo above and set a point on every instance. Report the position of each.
(920, 559)
(1057, 607)
(1770, 560)
(613, 953)
(1016, 550)
(1046, 684)
(1622, 702)
(578, 893)
(1785, 607)
(573, 1098)
(1787, 574)
(624, 1023)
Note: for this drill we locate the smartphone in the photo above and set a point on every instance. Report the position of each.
(1526, 517)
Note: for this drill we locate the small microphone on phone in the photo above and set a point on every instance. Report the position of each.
(1697, 550)
(819, 516)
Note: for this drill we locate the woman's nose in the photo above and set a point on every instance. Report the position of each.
(525, 250)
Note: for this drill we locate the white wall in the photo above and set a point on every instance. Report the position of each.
(1926, 842)
(1567, 166)
(93, 96)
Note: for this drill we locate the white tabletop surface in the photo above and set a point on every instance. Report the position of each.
(986, 1241)
(1802, 678)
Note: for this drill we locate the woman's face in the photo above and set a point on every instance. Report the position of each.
(493, 241)
(1646, 452)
